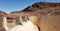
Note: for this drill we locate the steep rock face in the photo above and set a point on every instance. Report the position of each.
(2, 13)
(43, 8)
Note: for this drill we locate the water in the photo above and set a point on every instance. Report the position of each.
(27, 26)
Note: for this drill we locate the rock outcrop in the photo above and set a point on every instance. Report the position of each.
(42, 8)
(2, 13)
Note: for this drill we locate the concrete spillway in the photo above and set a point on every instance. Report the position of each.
(26, 26)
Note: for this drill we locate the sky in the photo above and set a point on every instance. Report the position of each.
(18, 5)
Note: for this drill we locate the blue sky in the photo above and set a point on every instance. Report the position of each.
(17, 5)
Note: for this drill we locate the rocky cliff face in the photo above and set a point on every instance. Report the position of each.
(43, 8)
(2, 13)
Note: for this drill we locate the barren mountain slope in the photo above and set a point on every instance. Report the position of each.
(42, 8)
